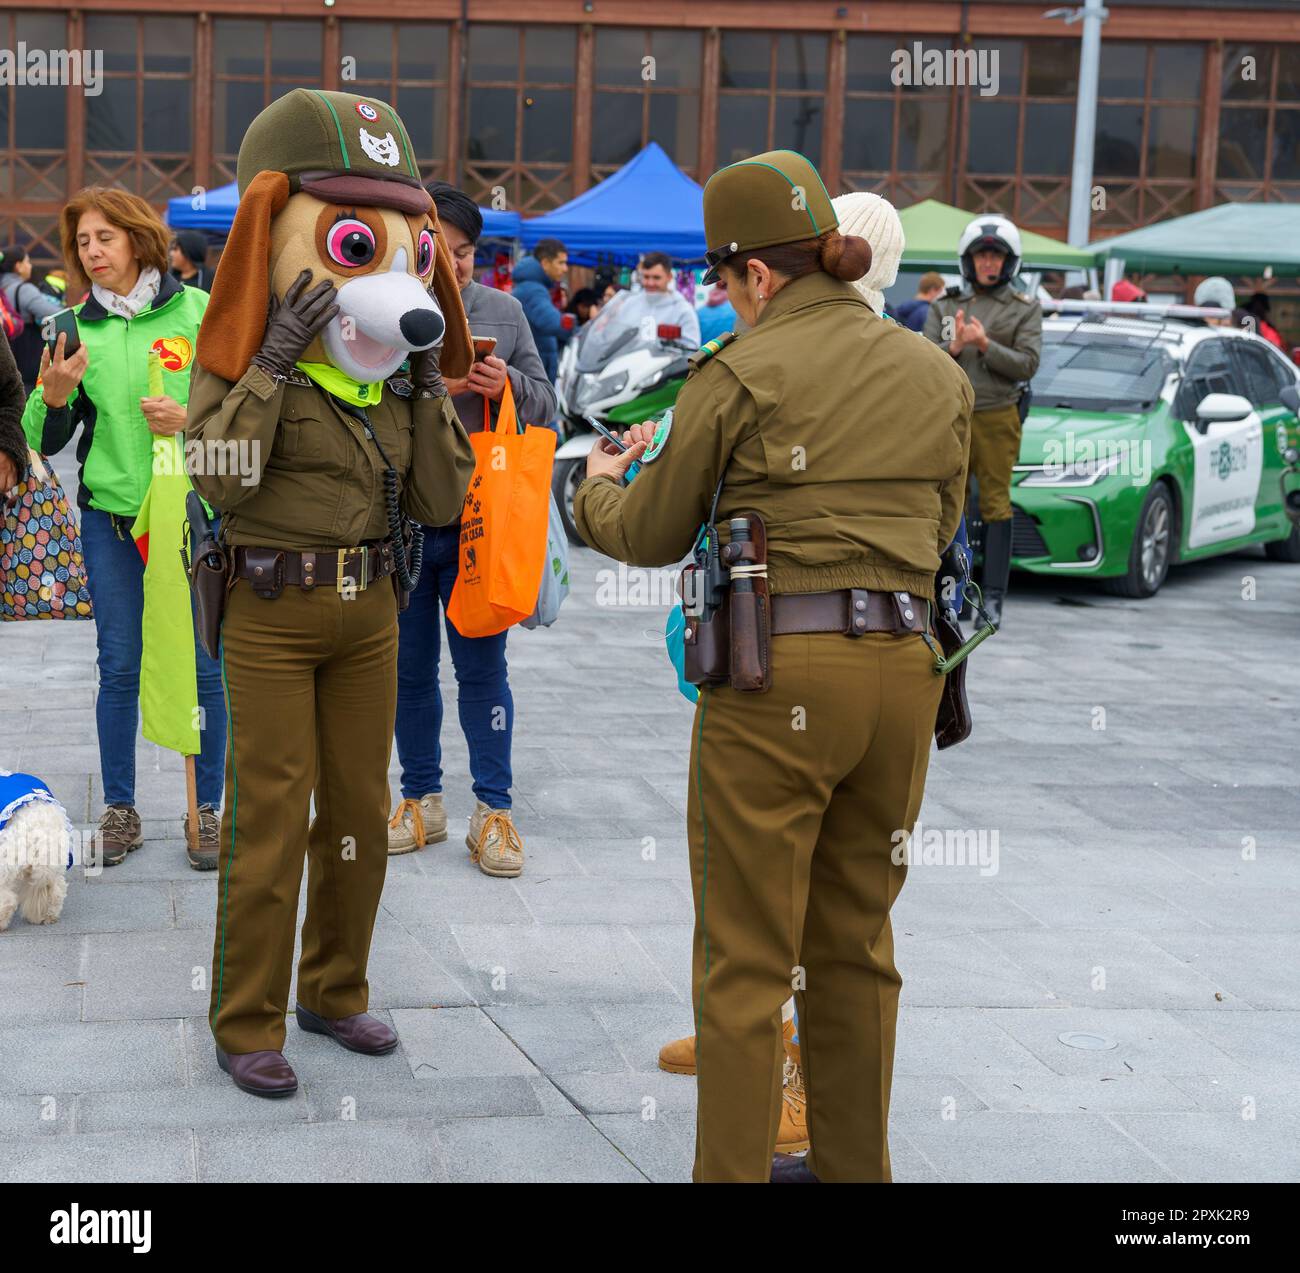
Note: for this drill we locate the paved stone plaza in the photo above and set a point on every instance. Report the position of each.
(531, 1011)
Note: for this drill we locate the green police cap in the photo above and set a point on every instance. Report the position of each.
(341, 147)
(775, 197)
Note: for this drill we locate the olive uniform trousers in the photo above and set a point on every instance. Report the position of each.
(797, 799)
(311, 692)
(994, 450)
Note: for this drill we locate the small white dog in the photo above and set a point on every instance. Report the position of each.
(35, 850)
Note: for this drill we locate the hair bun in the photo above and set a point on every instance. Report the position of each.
(846, 256)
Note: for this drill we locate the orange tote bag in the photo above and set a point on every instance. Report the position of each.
(503, 524)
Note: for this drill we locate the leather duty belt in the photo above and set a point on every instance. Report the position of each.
(271, 570)
(852, 611)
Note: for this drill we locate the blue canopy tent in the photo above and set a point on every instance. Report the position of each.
(218, 214)
(648, 205)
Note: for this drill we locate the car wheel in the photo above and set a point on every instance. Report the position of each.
(1152, 549)
(564, 485)
(1287, 549)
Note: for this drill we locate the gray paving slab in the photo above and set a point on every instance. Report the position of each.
(165, 1156)
(456, 1043)
(532, 1150)
(91, 1056)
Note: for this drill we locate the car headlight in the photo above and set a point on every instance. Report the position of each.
(1075, 473)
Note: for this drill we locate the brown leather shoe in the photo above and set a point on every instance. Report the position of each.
(261, 1073)
(358, 1033)
(790, 1169)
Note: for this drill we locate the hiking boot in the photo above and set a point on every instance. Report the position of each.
(494, 842)
(678, 1057)
(119, 833)
(204, 857)
(416, 823)
(792, 1135)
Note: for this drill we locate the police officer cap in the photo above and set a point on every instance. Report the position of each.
(772, 198)
(340, 147)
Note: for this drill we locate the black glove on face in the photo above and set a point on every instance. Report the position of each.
(426, 375)
(294, 323)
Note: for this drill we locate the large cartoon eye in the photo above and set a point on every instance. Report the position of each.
(424, 253)
(350, 242)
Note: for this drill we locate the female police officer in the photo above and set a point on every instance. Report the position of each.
(849, 436)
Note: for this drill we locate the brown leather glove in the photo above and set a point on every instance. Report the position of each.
(294, 323)
(426, 375)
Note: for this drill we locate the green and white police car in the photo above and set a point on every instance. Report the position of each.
(1151, 442)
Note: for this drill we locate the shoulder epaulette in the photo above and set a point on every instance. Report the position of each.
(1022, 296)
(709, 348)
(951, 293)
(400, 385)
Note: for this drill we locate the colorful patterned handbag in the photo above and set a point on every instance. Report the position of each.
(42, 572)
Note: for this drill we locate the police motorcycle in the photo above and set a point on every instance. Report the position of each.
(619, 373)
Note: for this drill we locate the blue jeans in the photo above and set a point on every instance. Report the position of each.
(115, 577)
(487, 711)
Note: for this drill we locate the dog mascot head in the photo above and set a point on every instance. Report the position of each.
(328, 183)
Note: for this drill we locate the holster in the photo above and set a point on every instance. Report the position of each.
(706, 639)
(209, 569)
(750, 607)
(952, 725)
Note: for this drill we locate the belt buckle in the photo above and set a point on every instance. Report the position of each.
(359, 579)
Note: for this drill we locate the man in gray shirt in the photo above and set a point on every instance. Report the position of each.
(484, 701)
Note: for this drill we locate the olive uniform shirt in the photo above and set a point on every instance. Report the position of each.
(1014, 324)
(847, 433)
(316, 480)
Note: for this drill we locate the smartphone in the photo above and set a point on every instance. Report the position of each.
(604, 432)
(65, 321)
(483, 345)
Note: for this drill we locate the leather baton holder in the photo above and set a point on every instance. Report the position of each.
(952, 725)
(209, 569)
(751, 609)
(706, 642)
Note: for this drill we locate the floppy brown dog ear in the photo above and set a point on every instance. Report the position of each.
(457, 355)
(235, 321)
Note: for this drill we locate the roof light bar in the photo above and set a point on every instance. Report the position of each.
(1134, 309)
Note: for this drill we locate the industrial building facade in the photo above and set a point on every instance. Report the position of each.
(533, 101)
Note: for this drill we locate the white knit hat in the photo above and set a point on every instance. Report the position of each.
(1216, 291)
(872, 218)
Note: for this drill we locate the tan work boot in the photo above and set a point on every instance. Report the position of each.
(792, 1135)
(416, 823)
(678, 1057)
(119, 833)
(204, 857)
(494, 841)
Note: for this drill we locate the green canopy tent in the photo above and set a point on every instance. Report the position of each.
(932, 230)
(1234, 238)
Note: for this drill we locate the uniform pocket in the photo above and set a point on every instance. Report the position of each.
(299, 434)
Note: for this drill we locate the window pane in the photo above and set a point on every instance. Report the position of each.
(798, 126)
(116, 36)
(548, 126)
(110, 117)
(1177, 71)
(618, 56)
(1049, 138)
(801, 62)
(742, 127)
(296, 50)
(237, 47)
(1246, 72)
(1053, 69)
(550, 54)
(1010, 54)
(371, 45)
(923, 134)
(675, 125)
(1171, 141)
(1286, 146)
(1242, 137)
(168, 44)
(1119, 141)
(166, 123)
(994, 128)
(493, 53)
(42, 31)
(237, 104)
(41, 112)
(1288, 73)
(745, 60)
(869, 64)
(1123, 71)
(868, 135)
(423, 111)
(422, 51)
(677, 59)
(491, 132)
(619, 136)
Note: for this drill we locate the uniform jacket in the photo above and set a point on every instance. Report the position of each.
(494, 313)
(532, 289)
(1014, 323)
(317, 479)
(848, 433)
(115, 450)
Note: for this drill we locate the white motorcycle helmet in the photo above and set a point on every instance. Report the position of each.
(990, 231)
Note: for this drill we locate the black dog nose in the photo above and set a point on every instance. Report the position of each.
(421, 327)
